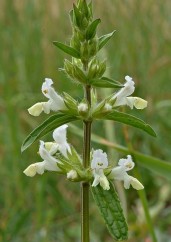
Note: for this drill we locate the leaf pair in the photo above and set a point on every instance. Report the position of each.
(59, 119)
(90, 32)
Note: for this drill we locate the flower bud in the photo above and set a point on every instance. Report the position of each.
(83, 107)
(84, 51)
(107, 108)
(75, 43)
(79, 74)
(93, 47)
(72, 175)
(68, 68)
(102, 69)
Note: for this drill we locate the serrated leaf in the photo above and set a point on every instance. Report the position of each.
(91, 31)
(105, 38)
(111, 211)
(105, 82)
(48, 125)
(67, 49)
(130, 120)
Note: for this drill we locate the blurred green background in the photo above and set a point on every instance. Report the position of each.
(46, 208)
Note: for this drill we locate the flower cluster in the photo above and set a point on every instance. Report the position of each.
(58, 103)
(47, 152)
(101, 172)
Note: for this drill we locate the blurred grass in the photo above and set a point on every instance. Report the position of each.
(46, 208)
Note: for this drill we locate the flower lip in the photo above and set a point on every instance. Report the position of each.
(46, 86)
(128, 79)
(99, 160)
(127, 164)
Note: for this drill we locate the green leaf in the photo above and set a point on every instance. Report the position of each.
(105, 82)
(48, 125)
(91, 31)
(77, 15)
(130, 120)
(71, 14)
(67, 49)
(90, 7)
(105, 38)
(85, 9)
(111, 211)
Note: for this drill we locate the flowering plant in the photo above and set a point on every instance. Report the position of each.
(92, 168)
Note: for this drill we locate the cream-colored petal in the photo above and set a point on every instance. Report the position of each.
(36, 109)
(96, 180)
(30, 170)
(104, 183)
(137, 102)
(136, 184)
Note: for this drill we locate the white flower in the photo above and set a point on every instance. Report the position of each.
(60, 138)
(72, 174)
(49, 163)
(122, 97)
(98, 164)
(107, 107)
(55, 102)
(83, 107)
(120, 173)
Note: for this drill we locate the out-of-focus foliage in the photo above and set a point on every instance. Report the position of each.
(46, 208)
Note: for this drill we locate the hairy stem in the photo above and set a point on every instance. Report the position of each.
(86, 162)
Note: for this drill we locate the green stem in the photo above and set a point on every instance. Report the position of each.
(85, 185)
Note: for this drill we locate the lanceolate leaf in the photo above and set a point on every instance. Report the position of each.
(130, 120)
(111, 211)
(105, 82)
(91, 31)
(67, 49)
(104, 39)
(77, 15)
(48, 125)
